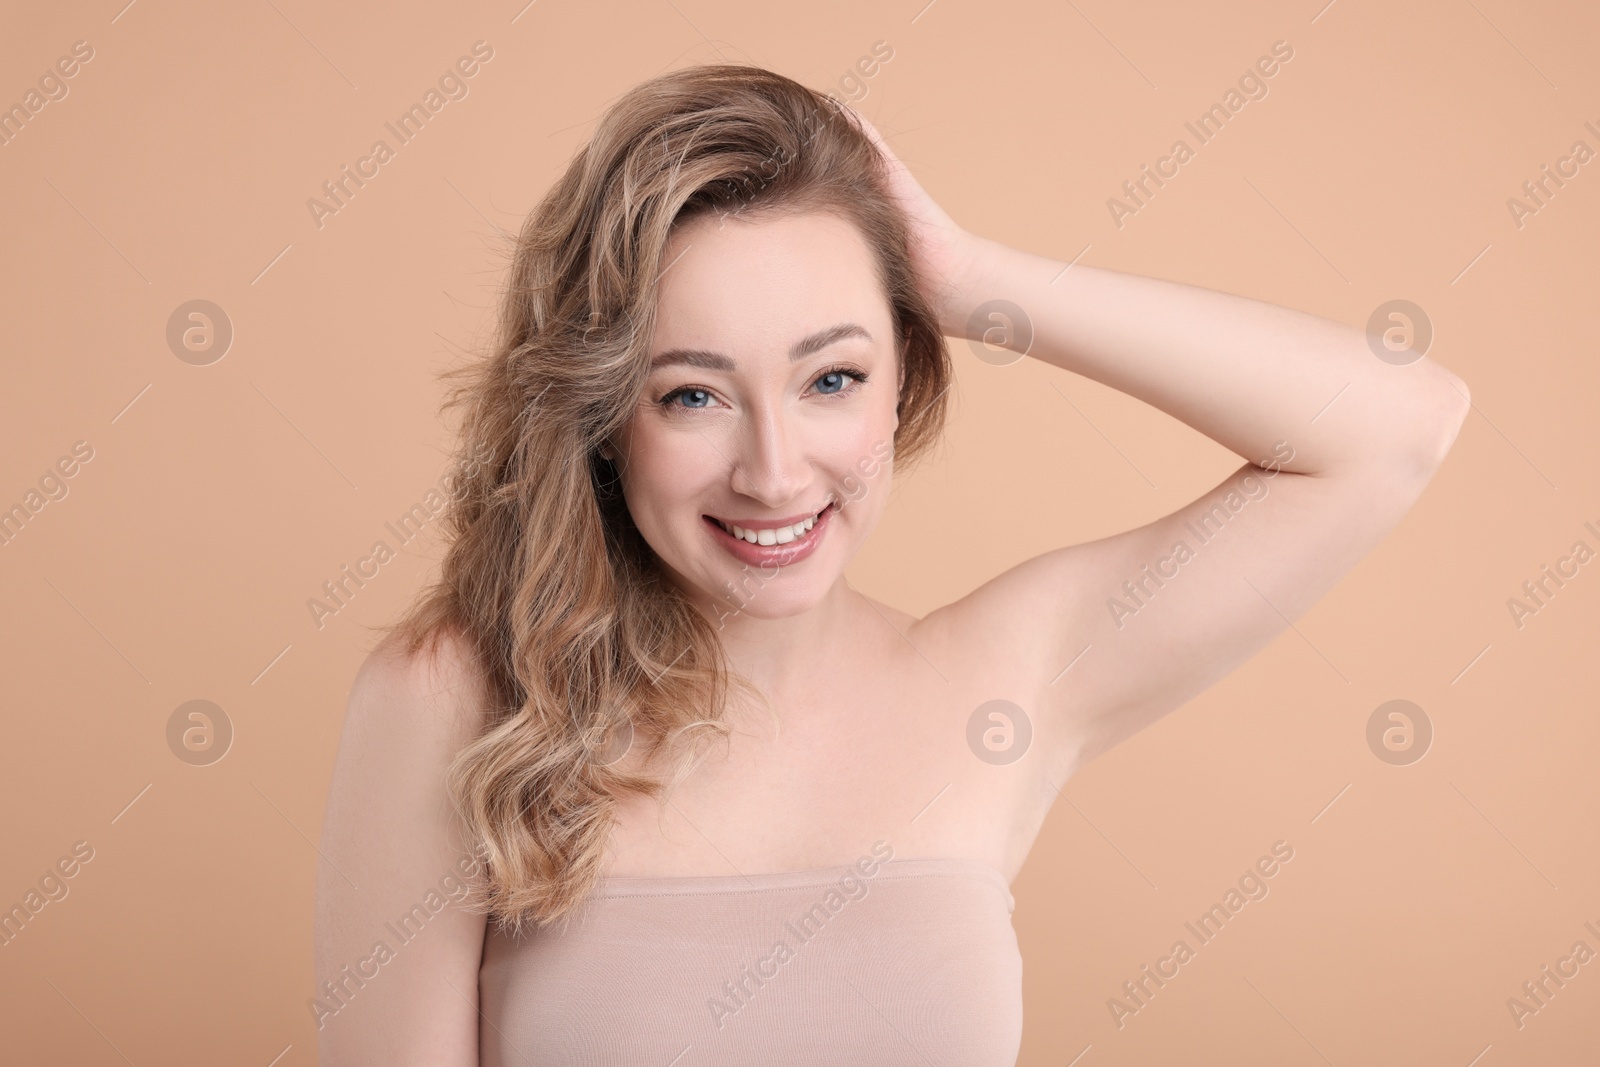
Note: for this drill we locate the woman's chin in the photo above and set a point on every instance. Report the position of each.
(766, 603)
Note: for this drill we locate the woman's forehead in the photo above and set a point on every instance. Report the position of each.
(766, 282)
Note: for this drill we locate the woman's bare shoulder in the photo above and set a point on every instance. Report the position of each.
(391, 838)
(442, 682)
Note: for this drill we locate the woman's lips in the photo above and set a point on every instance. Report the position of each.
(783, 555)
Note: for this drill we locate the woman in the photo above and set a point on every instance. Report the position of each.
(701, 800)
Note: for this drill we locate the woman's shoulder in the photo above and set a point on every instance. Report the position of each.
(441, 681)
(389, 839)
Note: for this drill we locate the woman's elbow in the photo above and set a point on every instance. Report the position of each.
(1442, 408)
(1457, 405)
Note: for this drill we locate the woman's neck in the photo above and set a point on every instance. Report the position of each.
(784, 654)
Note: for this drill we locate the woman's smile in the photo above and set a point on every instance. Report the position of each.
(765, 542)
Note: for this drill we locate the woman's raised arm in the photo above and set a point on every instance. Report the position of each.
(1101, 639)
(1247, 374)
(1340, 444)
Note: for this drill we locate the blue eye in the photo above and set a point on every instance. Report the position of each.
(835, 381)
(699, 396)
(839, 379)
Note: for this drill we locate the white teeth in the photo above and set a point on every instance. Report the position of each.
(781, 535)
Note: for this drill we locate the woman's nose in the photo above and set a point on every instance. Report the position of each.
(770, 464)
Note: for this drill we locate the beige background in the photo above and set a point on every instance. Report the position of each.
(219, 498)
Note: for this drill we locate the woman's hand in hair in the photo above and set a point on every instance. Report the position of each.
(945, 256)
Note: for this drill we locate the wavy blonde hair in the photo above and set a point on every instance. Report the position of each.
(545, 578)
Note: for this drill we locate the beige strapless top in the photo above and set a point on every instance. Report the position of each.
(915, 964)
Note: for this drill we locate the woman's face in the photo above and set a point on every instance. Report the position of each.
(771, 399)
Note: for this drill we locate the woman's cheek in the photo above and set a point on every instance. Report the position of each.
(672, 468)
(865, 469)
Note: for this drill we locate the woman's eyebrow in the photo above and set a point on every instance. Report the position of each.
(700, 357)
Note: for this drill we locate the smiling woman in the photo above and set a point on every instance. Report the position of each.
(741, 460)
(663, 760)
